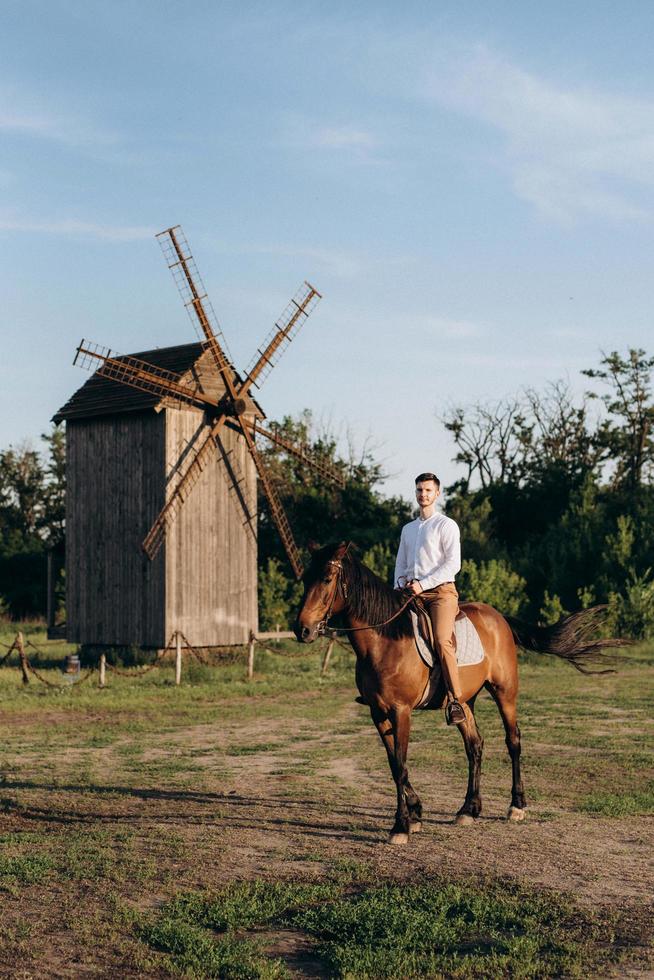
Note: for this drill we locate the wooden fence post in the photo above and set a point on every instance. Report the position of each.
(251, 657)
(20, 646)
(50, 602)
(327, 658)
(103, 669)
(178, 658)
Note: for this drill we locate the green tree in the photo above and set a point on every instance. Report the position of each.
(53, 521)
(279, 597)
(552, 609)
(493, 582)
(319, 510)
(626, 435)
(381, 560)
(566, 500)
(22, 483)
(631, 611)
(32, 517)
(473, 512)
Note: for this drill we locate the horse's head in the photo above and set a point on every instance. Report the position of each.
(324, 590)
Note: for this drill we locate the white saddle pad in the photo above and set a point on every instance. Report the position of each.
(468, 645)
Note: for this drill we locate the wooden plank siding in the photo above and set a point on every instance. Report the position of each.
(202, 581)
(211, 559)
(126, 450)
(114, 595)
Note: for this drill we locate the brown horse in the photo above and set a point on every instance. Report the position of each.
(392, 679)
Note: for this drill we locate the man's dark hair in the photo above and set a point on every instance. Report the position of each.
(423, 477)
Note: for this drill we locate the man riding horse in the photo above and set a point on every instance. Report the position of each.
(428, 558)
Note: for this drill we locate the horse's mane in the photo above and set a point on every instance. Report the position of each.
(371, 600)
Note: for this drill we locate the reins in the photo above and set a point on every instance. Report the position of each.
(322, 625)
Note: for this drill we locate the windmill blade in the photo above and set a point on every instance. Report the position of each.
(301, 451)
(237, 486)
(182, 265)
(287, 326)
(276, 509)
(201, 457)
(137, 374)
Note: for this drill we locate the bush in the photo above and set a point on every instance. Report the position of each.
(493, 582)
(23, 583)
(631, 613)
(381, 560)
(552, 610)
(279, 597)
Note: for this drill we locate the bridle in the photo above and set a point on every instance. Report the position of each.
(336, 563)
(324, 629)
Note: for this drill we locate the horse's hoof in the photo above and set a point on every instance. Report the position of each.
(464, 820)
(515, 814)
(400, 838)
(415, 827)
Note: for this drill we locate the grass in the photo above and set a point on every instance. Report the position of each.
(620, 804)
(194, 953)
(474, 929)
(562, 711)
(125, 812)
(253, 749)
(27, 869)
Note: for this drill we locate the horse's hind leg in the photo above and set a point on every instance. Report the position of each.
(474, 746)
(506, 702)
(394, 733)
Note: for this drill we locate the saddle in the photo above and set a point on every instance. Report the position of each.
(469, 650)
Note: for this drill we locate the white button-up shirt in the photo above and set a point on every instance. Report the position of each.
(430, 551)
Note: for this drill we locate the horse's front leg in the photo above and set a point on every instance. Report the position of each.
(394, 729)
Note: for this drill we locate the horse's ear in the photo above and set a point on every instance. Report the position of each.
(342, 549)
(313, 546)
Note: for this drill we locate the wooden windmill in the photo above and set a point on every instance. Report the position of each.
(225, 420)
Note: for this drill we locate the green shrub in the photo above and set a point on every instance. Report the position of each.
(493, 582)
(279, 597)
(631, 613)
(552, 610)
(381, 560)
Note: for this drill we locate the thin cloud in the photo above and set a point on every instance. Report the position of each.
(340, 263)
(351, 143)
(341, 137)
(426, 326)
(78, 229)
(570, 151)
(50, 125)
(12, 122)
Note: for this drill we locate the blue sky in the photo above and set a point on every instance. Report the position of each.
(470, 185)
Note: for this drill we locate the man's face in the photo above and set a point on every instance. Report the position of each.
(426, 493)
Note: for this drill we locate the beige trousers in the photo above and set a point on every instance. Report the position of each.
(442, 604)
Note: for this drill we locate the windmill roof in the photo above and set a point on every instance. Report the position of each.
(104, 396)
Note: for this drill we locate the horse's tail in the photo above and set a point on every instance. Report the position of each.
(573, 639)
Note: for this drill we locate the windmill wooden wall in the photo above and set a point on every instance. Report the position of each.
(121, 465)
(211, 558)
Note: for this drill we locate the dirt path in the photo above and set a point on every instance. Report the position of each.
(145, 817)
(262, 815)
